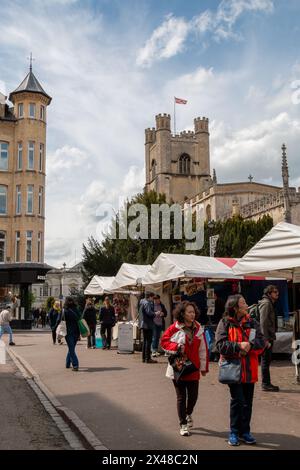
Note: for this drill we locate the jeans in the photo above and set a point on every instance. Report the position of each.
(187, 395)
(241, 407)
(147, 335)
(156, 336)
(71, 356)
(106, 335)
(91, 338)
(6, 329)
(266, 359)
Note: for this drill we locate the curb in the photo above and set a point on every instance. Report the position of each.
(78, 435)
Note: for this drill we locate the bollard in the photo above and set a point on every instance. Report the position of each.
(2, 352)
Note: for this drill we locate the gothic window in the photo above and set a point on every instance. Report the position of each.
(184, 164)
(153, 169)
(208, 213)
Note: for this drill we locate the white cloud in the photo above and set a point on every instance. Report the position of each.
(166, 41)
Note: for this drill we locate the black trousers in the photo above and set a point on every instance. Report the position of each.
(241, 407)
(266, 360)
(54, 336)
(187, 395)
(105, 332)
(147, 341)
(91, 337)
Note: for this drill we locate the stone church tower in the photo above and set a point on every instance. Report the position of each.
(177, 165)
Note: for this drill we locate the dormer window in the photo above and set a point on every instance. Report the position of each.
(32, 110)
(184, 164)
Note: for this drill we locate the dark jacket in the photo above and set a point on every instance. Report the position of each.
(107, 316)
(54, 318)
(229, 333)
(72, 316)
(89, 314)
(268, 318)
(146, 314)
(164, 310)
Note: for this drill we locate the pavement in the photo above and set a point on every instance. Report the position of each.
(24, 423)
(130, 405)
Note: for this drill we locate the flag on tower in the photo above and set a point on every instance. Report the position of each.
(180, 101)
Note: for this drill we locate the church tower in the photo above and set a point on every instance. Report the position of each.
(177, 165)
(22, 172)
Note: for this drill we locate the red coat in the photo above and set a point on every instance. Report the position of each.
(196, 350)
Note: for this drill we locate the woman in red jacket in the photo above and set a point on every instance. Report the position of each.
(186, 336)
(239, 336)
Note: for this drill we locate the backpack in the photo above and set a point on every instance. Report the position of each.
(253, 311)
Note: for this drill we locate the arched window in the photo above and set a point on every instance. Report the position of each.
(153, 169)
(184, 164)
(2, 247)
(208, 213)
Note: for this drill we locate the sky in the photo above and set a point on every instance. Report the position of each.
(112, 65)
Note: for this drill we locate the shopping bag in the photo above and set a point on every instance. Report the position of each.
(83, 328)
(62, 329)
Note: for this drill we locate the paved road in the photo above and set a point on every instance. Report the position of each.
(24, 422)
(131, 405)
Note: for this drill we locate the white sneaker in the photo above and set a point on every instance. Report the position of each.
(184, 430)
(190, 422)
(154, 354)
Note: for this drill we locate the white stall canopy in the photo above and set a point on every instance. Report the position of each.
(130, 275)
(99, 285)
(171, 266)
(276, 254)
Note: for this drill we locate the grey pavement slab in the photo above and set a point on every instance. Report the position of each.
(131, 405)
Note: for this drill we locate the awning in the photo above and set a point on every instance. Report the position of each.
(99, 285)
(277, 254)
(130, 275)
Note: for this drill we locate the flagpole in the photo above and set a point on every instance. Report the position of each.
(174, 116)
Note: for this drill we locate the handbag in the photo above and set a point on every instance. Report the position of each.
(181, 366)
(83, 328)
(230, 371)
(61, 330)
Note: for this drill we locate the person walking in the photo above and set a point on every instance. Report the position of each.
(146, 317)
(5, 319)
(269, 326)
(54, 319)
(71, 315)
(108, 321)
(186, 338)
(158, 323)
(239, 336)
(90, 316)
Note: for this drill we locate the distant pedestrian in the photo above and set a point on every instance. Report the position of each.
(54, 319)
(5, 319)
(43, 316)
(269, 326)
(186, 339)
(71, 316)
(90, 316)
(158, 323)
(146, 319)
(36, 317)
(108, 321)
(239, 336)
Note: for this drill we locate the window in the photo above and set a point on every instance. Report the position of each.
(20, 110)
(45, 289)
(40, 247)
(20, 156)
(153, 169)
(41, 200)
(30, 155)
(28, 246)
(42, 113)
(2, 246)
(18, 200)
(184, 164)
(29, 199)
(3, 200)
(17, 248)
(32, 110)
(3, 156)
(41, 157)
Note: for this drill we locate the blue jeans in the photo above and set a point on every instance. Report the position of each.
(6, 329)
(156, 336)
(71, 356)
